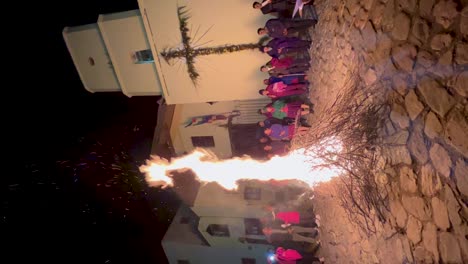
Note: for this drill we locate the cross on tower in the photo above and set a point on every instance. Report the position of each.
(190, 53)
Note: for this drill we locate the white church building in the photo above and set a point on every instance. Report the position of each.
(121, 52)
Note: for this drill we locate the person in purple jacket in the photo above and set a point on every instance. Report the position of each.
(279, 132)
(283, 27)
(287, 79)
(286, 47)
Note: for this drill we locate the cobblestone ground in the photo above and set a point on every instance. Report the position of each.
(416, 51)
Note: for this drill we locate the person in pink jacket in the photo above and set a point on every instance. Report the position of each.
(291, 217)
(291, 256)
(280, 89)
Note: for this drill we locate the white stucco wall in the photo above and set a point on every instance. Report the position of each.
(236, 228)
(213, 200)
(234, 76)
(215, 205)
(196, 254)
(125, 34)
(181, 135)
(84, 43)
(180, 243)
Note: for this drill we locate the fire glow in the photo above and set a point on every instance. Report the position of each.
(300, 164)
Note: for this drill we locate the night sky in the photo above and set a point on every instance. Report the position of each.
(71, 189)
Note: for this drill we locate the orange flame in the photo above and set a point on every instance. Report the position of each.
(301, 164)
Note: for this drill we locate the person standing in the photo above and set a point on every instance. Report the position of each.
(280, 47)
(283, 27)
(282, 8)
(281, 109)
(280, 89)
(287, 79)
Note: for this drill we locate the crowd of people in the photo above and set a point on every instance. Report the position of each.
(288, 227)
(287, 84)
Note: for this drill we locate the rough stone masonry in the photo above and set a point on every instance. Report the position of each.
(417, 51)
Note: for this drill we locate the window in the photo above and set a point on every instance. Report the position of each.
(183, 262)
(218, 230)
(248, 261)
(253, 226)
(251, 193)
(203, 142)
(143, 56)
(184, 220)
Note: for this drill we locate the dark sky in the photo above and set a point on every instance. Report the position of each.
(51, 92)
(57, 215)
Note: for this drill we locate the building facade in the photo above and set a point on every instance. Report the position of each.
(123, 51)
(91, 58)
(110, 55)
(130, 53)
(223, 77)
(224, 226)
(184, 244)
(224, 138)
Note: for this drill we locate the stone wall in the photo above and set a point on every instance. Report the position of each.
(417, 51)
